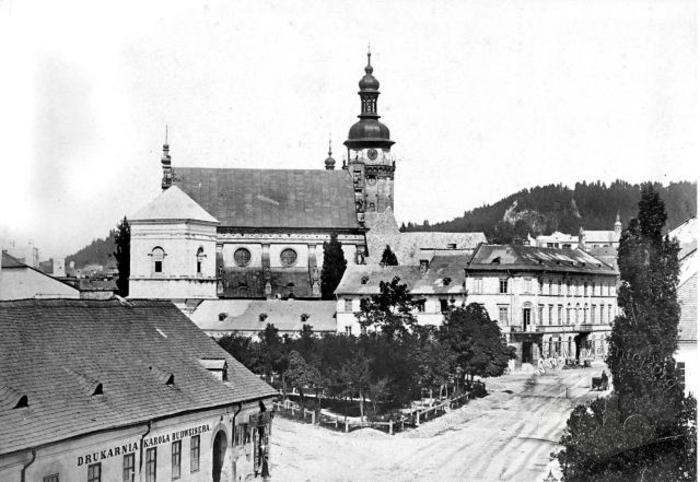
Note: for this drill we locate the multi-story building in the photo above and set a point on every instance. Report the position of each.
(548, 301)
(586, 239)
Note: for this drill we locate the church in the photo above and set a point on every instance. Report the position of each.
(259, 233)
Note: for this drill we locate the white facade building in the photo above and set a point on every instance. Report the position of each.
(548, 301)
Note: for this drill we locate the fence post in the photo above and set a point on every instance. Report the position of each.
(313, 417)
(417, 418)
(391, 427)
(346, 427)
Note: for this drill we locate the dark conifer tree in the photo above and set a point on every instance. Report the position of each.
(334, 265)
(388, 257)
(122, 243)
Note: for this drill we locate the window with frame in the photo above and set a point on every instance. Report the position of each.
(540, 314)
(200, 260)
(129, 468)
(444, 305)
(158, 256)
(540, 284)
(602, 313)
(241, 257)
(478, 285)
(610, 314)
(194, 453)
(559, 287)
(94, 472)
(549, 287)
(503, 315)
(348, 330)
(528, 285)
(420, 305)
(593, 308)
(568, 314)
(348, 305)
(288, 257)
(559, 313)
(503, 286)
(577, 314)
(585, 313)
(50, 478)
(176, 459)
(609, 288)
(151, 460)
(585, 288)
(568, 288)
(550, 313)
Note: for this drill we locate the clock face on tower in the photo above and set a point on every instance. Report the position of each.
(372, 154)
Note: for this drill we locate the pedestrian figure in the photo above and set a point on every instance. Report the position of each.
(604, 380)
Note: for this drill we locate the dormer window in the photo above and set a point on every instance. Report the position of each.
(97, 390)
(496, 260)
(217, 367)
(364, 279)
(23, 402)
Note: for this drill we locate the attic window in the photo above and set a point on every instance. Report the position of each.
(169, 381)
(364, 279)
(305, 316)
(98, 390)
(446, 281)
(165, 377)
(496, 260)
(262, 317)
(451, 245)
(217, 367)
(23, 402)
(222, 316)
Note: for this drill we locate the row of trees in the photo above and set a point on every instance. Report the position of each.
(388, 366)
(646, 429)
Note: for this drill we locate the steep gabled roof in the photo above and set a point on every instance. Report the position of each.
(273, 198)
(173, 205)
(508, 257)
(87, 365)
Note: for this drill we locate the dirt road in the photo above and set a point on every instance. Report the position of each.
(505, 436)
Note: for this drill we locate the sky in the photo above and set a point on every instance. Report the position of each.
(483, 98)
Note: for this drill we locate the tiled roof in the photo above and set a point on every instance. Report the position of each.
(445, 275)
(497, 257)
(687, 236)
(601, 236)
(273, 198)
(688, 300)
(172, 205)
(51, 350)
(244, 315)
(607, 254)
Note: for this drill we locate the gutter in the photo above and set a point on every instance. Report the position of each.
(141, 448)
(24, 468)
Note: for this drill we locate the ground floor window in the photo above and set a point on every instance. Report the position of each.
(51, 478)
(503, 315)
(129, 468)
(194, 453)
(94, 472)
(151, 456)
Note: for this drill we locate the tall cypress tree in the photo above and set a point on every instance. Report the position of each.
(122, 242)
(334, 265)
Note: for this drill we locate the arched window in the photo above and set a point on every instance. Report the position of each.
(577, 313)
(585, 313)
(200, 259)
(158, 255)
(568, 314)
(288, 257)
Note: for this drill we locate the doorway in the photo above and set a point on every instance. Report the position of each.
(218, 455)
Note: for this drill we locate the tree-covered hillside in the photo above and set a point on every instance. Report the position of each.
(99, 251)
(544, 209)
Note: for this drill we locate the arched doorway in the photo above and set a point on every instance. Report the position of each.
(218, 454)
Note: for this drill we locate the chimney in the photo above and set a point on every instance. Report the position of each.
(581, 239)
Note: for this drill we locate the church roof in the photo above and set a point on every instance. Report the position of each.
(272, 198)
(173, 205)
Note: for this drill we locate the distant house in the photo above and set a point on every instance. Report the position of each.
(435, 284)
(20, 281)
(109, 390)
(586, 239)
(219, 318)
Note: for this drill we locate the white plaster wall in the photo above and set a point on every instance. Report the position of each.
(229, 249)
(301, 250)
(18, 283)
(167, 288)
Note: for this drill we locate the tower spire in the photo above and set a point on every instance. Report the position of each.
(330, 162)
(166, 163)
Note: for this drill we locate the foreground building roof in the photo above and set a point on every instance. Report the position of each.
(511, 257)
(245, 315)
(272, 198)
(73, 367)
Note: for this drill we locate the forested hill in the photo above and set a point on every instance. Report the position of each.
(544, 209)
(98, 252)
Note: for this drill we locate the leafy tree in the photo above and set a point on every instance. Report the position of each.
(242, 348)
(434, 361)
(334, 265)
(272, 353)
(391, 310)
(647, 428)
(379, 391)
(301, 375)
(357, 376)
(388, 257)
(122, 242)
(476, 342)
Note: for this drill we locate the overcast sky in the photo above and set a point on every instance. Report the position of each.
(483, 98)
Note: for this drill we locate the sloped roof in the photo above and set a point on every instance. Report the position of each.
(607, 254)
(687, 236)
(445, 275)
(9, 262)
(688, 300)
(273, 198)
(172, 205)
(244, 315)
(601, 236)
(504, 257)
(124, 346)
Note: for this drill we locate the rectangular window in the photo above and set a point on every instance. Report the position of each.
(478, 285)
(444, 306)
(129, 468)
(158, 266)
(528, 285)
(420, 305)
(610, 315)
(503, 315)
(568, 288)
(602, 313)
(348, 330)
(151, 464)
(540, 314)
(348, 304)
(585, 289)
(559, 310)
(550, 313)
(246, 433)
(176, 451)
(559, 287)
(199, 267)
(568, 315)
(609, 288)
(593, 308)
(503, 286)
(549, 287)
(95, 472)
(194, 453)
(51, 478)
(541, 286)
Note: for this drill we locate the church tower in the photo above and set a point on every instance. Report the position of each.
(370, 161)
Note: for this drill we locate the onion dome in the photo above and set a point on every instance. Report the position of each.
(330, 162)
(368, 131)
